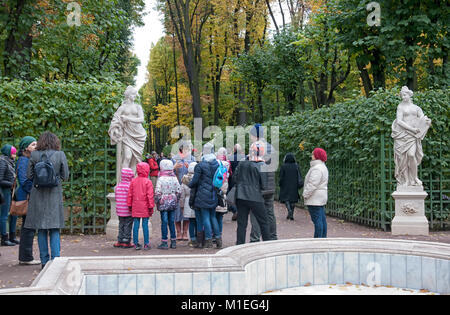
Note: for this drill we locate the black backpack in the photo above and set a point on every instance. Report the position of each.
(44, 173)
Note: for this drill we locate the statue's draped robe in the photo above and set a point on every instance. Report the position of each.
(404, 140)
(132, 135)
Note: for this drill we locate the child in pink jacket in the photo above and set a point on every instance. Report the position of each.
(123, 212)
(141, 202)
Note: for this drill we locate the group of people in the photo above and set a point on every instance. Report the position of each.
(192, 207)
(184, 192)
(44, 211)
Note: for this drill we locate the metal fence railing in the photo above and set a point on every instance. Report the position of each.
(360, 192)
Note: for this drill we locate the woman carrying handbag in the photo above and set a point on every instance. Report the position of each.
(22, 195)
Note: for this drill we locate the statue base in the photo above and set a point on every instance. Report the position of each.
(112, 227)
(410, 216)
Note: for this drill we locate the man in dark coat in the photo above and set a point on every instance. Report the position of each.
(257, 134)
(249, 197)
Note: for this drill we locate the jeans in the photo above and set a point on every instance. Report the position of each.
(193, 229)
(136, 223)
(168, 218)
(5, 211)
(199, 221)
(320, 221)
(26, 242)
(55, 244)
(210, 225)
(219, 218)
(258, 209)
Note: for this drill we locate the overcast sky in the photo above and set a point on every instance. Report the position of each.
(144, 37)
(153, 30)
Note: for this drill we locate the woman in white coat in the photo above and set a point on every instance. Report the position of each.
(315, 192)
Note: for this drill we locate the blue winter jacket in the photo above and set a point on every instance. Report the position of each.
(24, 184)
(206, 195)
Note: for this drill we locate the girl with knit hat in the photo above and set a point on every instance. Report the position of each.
(122, 209)
(7, 178)
(315, 191)
(26, 146)
(167, 197)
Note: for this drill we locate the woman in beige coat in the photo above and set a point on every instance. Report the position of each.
(315, 192)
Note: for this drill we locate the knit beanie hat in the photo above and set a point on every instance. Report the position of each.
(8, 150)
(25, 142)
(166, 165)
(257, 131)
(320, 154)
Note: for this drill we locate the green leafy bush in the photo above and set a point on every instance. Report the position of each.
(79, 114)
(351, 133)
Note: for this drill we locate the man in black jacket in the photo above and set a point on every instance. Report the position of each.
(256, 134)
(249, 198)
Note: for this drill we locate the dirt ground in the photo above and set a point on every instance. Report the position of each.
(13, 275)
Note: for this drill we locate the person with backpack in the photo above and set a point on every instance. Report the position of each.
(206, 199)
(26, 147)
(47, 169)
(7, 178)
(167, 198)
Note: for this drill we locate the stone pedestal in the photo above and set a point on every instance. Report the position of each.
(112, 227)
(410, 216)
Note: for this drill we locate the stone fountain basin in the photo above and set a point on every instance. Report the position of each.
(253, 268)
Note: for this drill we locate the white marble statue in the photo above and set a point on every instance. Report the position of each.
(126, 131)
(408, 131)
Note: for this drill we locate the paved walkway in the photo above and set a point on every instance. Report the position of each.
(13, 275)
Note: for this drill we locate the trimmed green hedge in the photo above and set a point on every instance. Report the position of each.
(351, 134)
(80, 115)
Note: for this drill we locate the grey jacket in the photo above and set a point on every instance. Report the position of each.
(45, 208)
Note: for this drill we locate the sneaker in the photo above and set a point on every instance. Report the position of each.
(147, 247)
(234, 217)
(173, 244)
(126, 245)
(163, 245)
(33, 262)
(118, 245)
(138, 246)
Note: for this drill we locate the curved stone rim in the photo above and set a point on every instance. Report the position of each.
(54, 278)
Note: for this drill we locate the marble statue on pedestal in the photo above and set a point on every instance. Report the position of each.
(126, 131)
(408, 131)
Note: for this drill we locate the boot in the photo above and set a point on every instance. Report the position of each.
(199, 243)
(290, 215)
(6, 242)
(219, 242)
(12, 238)
(173, 244)
(208, 243)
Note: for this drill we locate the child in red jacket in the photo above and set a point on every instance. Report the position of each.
(141, 202)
